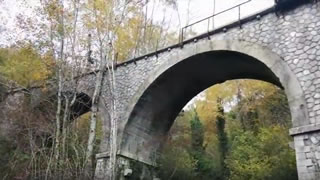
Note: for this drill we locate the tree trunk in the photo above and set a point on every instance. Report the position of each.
(93, 120)
(64, 125)
(58, 113)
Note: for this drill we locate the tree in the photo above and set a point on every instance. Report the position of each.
(197, 134)
(262, 156)
(25, 66)
(222, 138)
(204, 165)
(175, 161)
(176, 164)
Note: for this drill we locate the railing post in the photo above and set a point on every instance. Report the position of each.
(157, 47)
(239, 18)
(181, 40)
(208, 30)
(208, 25)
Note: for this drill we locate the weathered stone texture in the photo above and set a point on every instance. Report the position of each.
(126, 169)
(308, 155)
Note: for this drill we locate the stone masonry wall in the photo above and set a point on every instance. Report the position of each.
(308, 155)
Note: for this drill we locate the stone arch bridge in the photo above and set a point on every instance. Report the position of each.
(152, 89)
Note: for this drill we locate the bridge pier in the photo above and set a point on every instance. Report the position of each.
(307, 147)
(127, 168)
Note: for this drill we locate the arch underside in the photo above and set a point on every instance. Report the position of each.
(162, 100)
(81, 105)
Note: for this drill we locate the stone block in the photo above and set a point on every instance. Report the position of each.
(310, 168)
(314, 140)
(298, 143)
(307, 143)
(309, 155)
(127, 172)
(317, 155)
(300, 156)
(311, 114)
(307, 162)
(305, 137)
(316, 107)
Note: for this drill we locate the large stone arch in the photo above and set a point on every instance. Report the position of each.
(189, 71)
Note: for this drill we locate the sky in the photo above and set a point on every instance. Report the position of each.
(9, 9)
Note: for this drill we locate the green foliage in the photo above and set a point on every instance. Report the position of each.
(80, 131)
(179, 160)
(3, 88)
(12, 160)
(25, 66)
(176, 164)
(197, 134)
(262, 156)
(205, 166)
(222, 138)
(132, 40)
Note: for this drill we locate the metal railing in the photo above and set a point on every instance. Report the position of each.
(181, 39)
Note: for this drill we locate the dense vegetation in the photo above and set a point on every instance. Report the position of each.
(27, 129)
(249, 141)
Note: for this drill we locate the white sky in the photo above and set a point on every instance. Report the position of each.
(9, 9)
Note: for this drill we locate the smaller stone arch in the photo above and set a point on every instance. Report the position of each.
(81, 105)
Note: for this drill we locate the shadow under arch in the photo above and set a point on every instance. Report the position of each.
(188, 72)
(81, 105)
